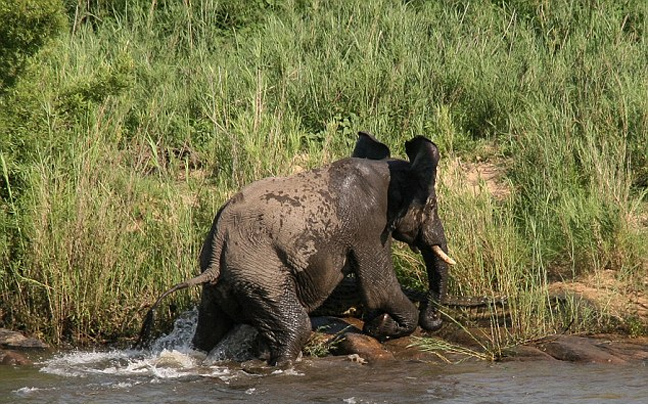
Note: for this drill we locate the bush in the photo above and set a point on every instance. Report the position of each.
(26, 26)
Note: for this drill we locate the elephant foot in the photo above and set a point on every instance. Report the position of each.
(384, 327)
(430, 320)
(431, 324)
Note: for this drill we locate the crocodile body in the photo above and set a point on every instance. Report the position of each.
(346, 300)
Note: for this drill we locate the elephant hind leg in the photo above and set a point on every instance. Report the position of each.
(213, 322)
(283, 325)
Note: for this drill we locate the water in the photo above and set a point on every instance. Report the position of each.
(172, 373)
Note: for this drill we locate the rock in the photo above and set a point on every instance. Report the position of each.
(327, 332)
(13, 339)
(405, 349)
(578, 349)
(13, 358)
(626, 348)
(627, 352)
(524, 353)
(366, 347)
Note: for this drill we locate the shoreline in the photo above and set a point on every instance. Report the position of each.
(344, 338)
(612, 348)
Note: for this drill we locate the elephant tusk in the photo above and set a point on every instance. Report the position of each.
(439, 252)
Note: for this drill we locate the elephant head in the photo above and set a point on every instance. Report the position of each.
(413, 213)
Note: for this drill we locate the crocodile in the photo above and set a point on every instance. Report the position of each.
(347, 301)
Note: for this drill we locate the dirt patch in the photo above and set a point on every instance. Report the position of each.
(476, 178)
(638, 219)
(607, 292)
(487, 176)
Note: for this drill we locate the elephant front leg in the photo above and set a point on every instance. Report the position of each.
(392, 314)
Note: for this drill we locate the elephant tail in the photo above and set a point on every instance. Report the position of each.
(145, 333)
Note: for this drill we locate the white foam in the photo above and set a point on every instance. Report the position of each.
(180, 338)
(170, 357)
(288, 372)
(123, 385)
(81, 364)
(25, 391)
(167, 364)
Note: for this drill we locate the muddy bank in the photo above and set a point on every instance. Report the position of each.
(344, 337)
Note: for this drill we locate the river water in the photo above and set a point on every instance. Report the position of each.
(172, 373)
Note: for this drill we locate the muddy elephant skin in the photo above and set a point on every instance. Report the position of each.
(278, 248)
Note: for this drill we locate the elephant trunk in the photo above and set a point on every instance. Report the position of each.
(209, 276)
(437, 269)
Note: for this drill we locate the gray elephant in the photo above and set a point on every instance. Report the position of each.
(279, 247)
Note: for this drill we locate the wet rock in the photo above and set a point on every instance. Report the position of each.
(344, 337)
(405, 349)
(366, 347)
(13, 339)
(327, 332)
(628, 349)
(524, 353)
(13, 358)
(578, 349)
(627, 352)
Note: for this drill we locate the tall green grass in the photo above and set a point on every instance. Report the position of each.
(126, 132)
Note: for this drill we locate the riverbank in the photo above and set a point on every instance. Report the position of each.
(459, 345)
(343, 337)
(13, 344)
(469, 333)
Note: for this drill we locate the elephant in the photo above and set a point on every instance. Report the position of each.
(279, 247)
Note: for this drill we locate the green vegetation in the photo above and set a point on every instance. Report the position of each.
(135, 120)
(26, 25)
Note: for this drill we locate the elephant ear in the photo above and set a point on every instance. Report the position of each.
(367, 147)
(424, 158)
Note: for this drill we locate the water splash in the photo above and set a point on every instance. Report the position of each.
(179, 339)
(170, 357)
(238, 345)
